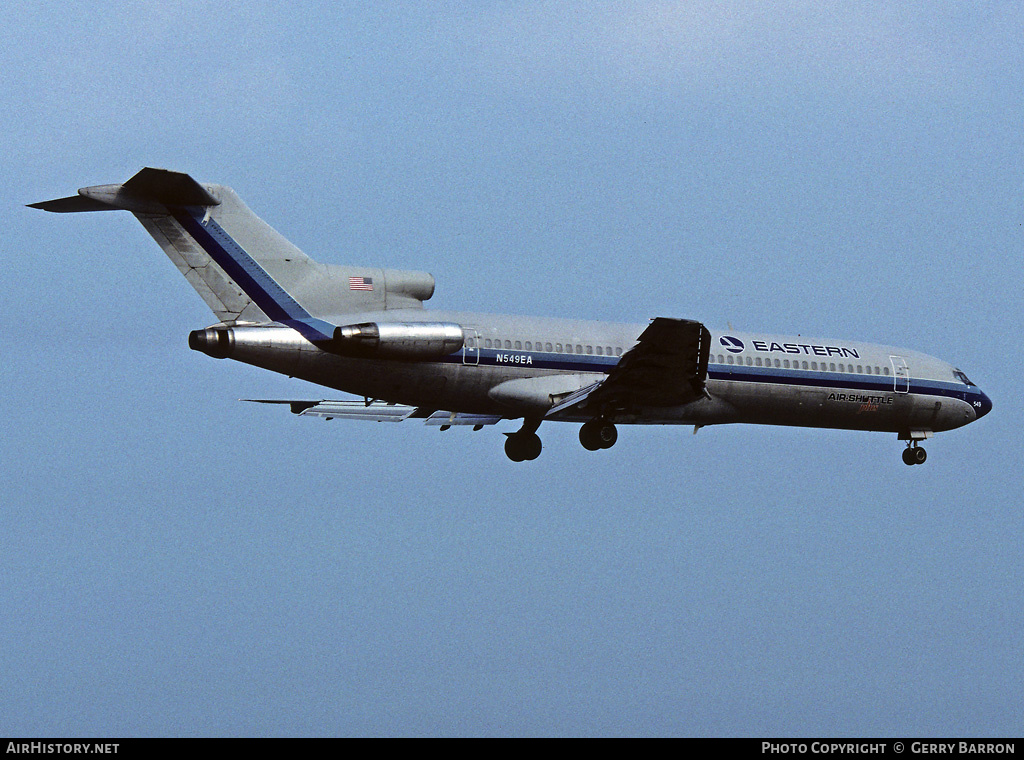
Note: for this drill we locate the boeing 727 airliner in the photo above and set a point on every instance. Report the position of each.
(365, 332)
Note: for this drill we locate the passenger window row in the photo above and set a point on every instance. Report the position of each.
(814, 366)
(557, 348)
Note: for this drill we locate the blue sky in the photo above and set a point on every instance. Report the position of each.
(179, 563)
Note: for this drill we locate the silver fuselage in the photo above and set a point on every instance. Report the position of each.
(752, 378)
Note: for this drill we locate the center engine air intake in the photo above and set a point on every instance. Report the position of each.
(399, 340)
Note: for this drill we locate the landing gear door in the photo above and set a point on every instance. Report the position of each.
(901, 374)
(470, 346)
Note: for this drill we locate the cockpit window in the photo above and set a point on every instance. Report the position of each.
(962, 377)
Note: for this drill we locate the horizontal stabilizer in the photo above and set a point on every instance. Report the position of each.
(72, 204)
(149, 190)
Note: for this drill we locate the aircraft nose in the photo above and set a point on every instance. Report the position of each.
(985, 405)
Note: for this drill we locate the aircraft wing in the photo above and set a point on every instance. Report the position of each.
(667, 367)
(380, 411)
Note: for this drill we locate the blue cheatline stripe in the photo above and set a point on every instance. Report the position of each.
(539, 360)
(759, 375)
(833, 380)
(253, 279)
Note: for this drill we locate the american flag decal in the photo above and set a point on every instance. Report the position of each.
(360, 283)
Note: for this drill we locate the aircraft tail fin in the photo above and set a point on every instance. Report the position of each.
(242, 267)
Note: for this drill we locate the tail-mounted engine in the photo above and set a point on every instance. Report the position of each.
(398, 340)
(412, 341)
(215, 342)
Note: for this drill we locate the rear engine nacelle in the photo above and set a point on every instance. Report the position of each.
(247, 343)
(399, 340)
(215, 342)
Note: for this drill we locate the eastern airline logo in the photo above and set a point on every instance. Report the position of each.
(733, 345)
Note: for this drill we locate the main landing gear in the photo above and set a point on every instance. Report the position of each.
(597, 434)
(914, 454)
(524, 445)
